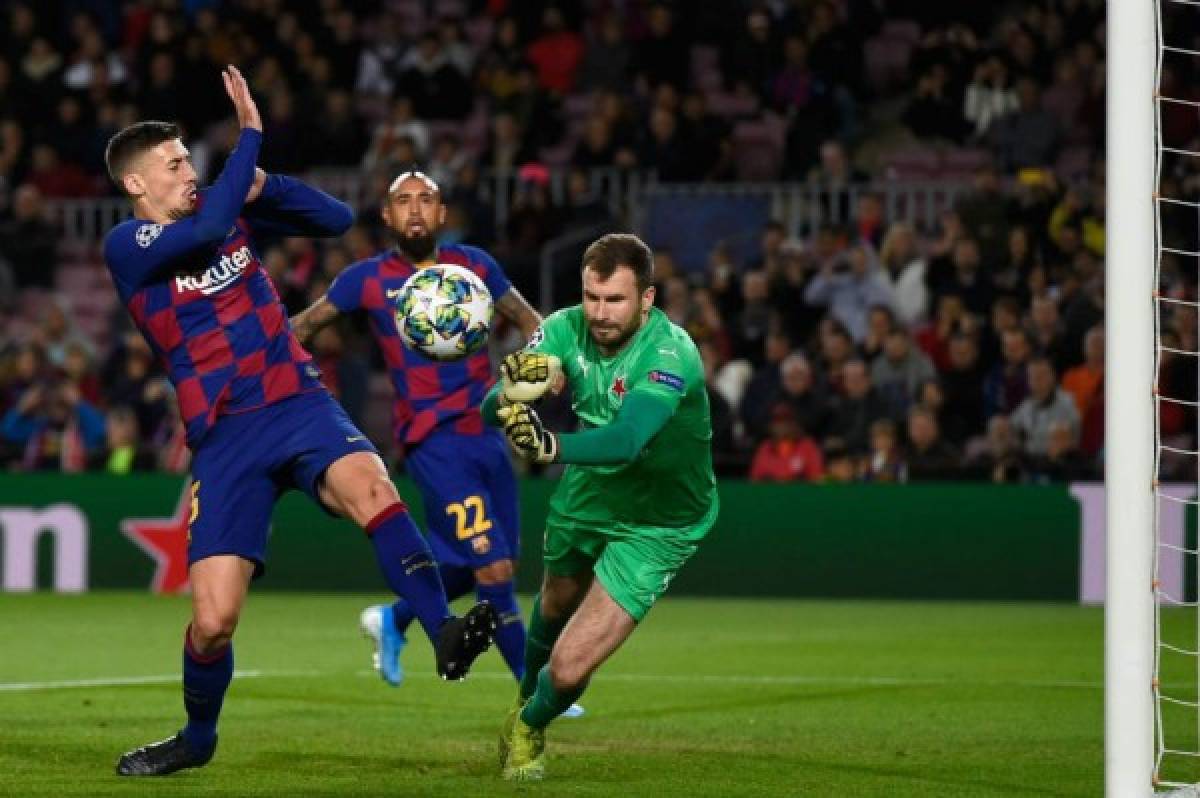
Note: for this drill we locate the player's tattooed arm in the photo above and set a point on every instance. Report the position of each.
(307, 322)
(516, 309)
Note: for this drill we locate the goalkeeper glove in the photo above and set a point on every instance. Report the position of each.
(525, 376)
(527, 435)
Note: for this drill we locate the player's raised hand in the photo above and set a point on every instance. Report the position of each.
(526, 376)
(526, 434)
(239, 94)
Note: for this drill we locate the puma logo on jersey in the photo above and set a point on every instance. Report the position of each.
(392, 293)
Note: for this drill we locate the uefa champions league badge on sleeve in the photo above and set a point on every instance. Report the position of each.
(146, 234)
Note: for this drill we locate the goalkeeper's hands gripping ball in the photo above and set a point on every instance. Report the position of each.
(526, 435)
(526, 376)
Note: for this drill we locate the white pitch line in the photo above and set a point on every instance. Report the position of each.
(682, 678)
(866, 681)
(134, 681)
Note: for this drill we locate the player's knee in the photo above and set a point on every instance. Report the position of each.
(213, 628)
(370, 498)
(568, 671)
(496, 573)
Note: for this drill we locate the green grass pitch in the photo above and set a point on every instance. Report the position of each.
(709, 698)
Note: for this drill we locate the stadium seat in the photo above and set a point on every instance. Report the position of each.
(916, 163)
(757, 150)
(962, 163)
(730, 105)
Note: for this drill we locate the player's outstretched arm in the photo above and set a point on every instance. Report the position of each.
(307, 322)
(286, 206)
(641, 418)
(514, 307)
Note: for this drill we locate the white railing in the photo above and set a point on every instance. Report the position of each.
(802, 207)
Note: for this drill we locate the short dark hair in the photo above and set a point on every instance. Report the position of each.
(614, 250)
(131, 142)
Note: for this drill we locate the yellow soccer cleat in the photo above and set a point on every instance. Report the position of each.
(506, 731)
(526, 746)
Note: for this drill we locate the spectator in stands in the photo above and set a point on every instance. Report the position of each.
(134, 384)
(852, 412)
(1011, 276)
(934, 112)
(507, 150)
(880, 323)
(750, 54)
(963, 275)
(928, 456)
(657, 56)
(1062, 461)
(789, 454)
(999, 459)
(753, 320)
(607, 57)
(28, 240)
(78, 371)
(401, 123)
(122, 453)
(1086, 381)
(799, 389)
(537, 113)
(1046, 405)
(662, 148)
(990, 96)
(596, 148)
(962, 387)
(762, 391)
(1006, 385)
(556, 53)
(725, 454)
(836, 349)
(1046, 333)
(904, 269)
(985, 212)
(28, 368)
(839, 463)
(54, 427)
(1027, 137)
(884, 462)
(339, 137)
(434, 83)
(899, 370)
(57, 178)
(706, 142)
(850, 287)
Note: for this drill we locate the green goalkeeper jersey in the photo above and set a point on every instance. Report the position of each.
(670, 482)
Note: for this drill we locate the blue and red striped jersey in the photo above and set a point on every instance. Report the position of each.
(429, 394)
(200, 295)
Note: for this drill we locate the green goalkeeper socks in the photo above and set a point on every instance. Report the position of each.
(540, 640)
(548, 703)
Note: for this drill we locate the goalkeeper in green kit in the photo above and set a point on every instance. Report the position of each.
(638, 494)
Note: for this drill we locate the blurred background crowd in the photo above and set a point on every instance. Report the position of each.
(867, 337)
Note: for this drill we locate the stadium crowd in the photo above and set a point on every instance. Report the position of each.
(873, 350)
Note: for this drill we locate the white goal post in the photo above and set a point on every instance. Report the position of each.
(1129, 434)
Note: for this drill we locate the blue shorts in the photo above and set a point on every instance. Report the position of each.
(470, 495)
(247, 460)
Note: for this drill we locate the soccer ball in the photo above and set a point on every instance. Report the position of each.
(444, 312)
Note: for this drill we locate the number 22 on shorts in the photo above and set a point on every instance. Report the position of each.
(470, 507)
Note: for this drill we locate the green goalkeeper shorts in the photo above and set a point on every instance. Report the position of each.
(634, 562)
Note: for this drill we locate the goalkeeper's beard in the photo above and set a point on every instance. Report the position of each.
(417, 248)
(611, 338)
